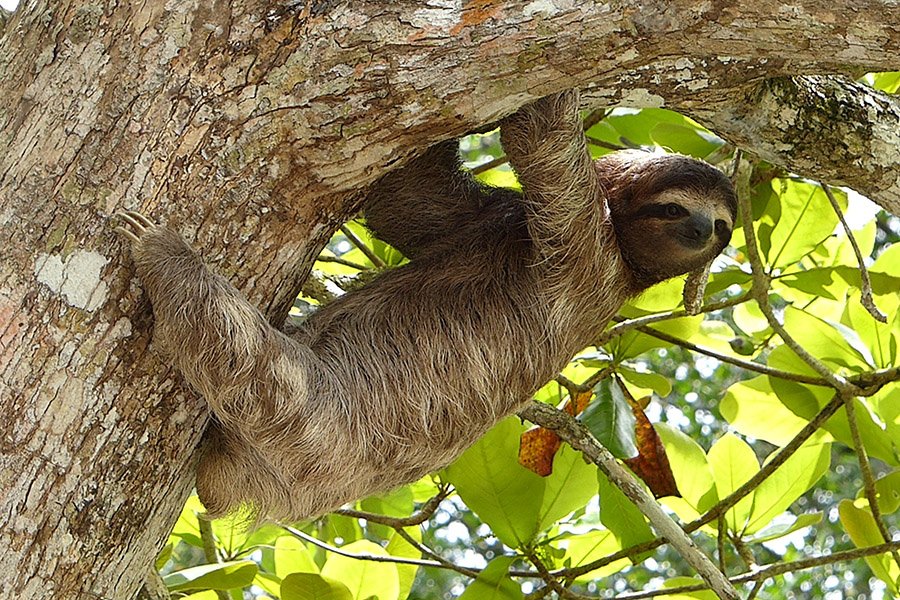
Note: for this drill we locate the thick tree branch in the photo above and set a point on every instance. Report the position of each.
(830, 128)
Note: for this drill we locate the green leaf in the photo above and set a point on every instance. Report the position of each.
(620, 515)
(493, 583)
(676, 582)
(878, 337)
(583, 548)
(398, 546)
(292, 556)
(753, 408)
(692, 471)
(362, 577)
(163, 557)
(806, 220)
(887, 489)
(571, 485)
(219, 576)
(653, 381)
(860, 524)
(634, 343)
(610, 419)
(829, 342)
(789, 481)
(490, 480)
(780, 530)
(685, 139)
(733, 462)
(311, 586)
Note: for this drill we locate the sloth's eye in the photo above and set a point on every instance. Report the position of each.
(673, 210)
(721, 226)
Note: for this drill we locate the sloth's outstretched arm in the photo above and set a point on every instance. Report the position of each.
(429, 200)
(563, 198)
(218, 340)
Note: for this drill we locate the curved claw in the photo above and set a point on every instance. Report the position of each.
(135, 226)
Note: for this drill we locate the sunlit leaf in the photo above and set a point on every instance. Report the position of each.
(753, 408)
(788, 482)
(362, 577)
(310, 586)
(490, 480)
(690, 467)
(828, 342)
(292, 556)
(773, 532)
(493, 583)
(806, 220)
(860, 524)
(733, 462)
(620, 515)
(219, 576)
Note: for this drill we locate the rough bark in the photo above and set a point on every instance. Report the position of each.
(251, 126)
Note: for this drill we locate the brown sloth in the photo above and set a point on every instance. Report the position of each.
(396, 379)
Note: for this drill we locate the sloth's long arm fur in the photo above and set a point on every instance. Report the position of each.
(396, 379)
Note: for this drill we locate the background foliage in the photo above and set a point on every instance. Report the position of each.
(723, 389)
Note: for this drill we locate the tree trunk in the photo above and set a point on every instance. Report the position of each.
(251, 127)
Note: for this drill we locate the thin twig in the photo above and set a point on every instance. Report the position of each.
(733, 360)
(866, 298)
(341, 261)
(376, 260)
(417, 518)
(494, 162)
(627, 325)
(473, 573)
(551, 581)
(371, 557)
(868, 477)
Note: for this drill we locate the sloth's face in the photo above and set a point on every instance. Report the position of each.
(672, 214)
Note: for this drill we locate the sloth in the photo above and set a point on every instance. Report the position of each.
(396, 379)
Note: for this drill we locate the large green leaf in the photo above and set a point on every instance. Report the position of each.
(690, 467)
(490, 480)
(789, 481)
(733, 462)
(493, 583)
(829, 342)
(311, 586)
(806, 220)
(610, 419)
(620, 515)
(753, 408)
(860, 524)
(219, 576)
(292, 556)
(364, 578)
(571, 485)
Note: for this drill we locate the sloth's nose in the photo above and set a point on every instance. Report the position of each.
(696, 230)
